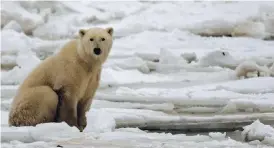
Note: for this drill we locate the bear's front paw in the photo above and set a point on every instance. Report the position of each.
(82, 122)
(71, 121)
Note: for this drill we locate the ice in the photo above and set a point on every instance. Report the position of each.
(42, 132)
(8, 37)
(99, 122)
(272, 67)
(167, 57)
(150, 136)
(267, 15)
(8, 61)
(250, 29)
(226, 98)
(26, 63)
(197, 22)
(178, 42)
(13, 25)
(245, 68)
(4, 117)
(54, 31)
(27, 20)
(219, 58)
(15, 144)
(22, 57)
(152, 106)
(113, 76)
(159, 120)
(129, 63)
(259, 131)
(189, 57)
(5, 105)
(177, 66)
(240, 87)
(213, 28)
(217, 135)
(120, 9)
(25, 44)
(78, 18)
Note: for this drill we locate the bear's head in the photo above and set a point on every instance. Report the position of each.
(95, 44)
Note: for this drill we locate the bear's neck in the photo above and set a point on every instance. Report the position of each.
(85, 60)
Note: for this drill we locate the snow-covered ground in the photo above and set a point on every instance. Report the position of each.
(177, 66)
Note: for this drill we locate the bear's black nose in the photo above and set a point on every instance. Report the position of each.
(97, 51)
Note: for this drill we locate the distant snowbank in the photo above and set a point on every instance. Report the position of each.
(257, 19)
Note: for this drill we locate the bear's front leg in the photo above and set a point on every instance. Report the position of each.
(68, 110)
(82, 122)
(82, 108)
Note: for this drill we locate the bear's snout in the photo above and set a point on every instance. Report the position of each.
(97, 51)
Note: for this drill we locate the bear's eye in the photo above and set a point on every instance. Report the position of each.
(91, 39)
(103, 39)
(223, 53)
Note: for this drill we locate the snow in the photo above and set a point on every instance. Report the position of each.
(217, 135)
(100, 122)
(26, 63)
(43, 132)
(243, 29)
(259, 131)
(247, 67)
(209, 66)
(137, 138)
(13, 25)
(27, 20)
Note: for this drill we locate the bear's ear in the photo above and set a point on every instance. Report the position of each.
(109, 30)
(82, 32)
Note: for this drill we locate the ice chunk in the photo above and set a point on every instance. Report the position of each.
(8, 61)
(129, 63)
(37, 144)
(189, 57)
(266, 14)
(112, 76)
(251, 69)
(258, 131)
(219, 58)
(217, 135)
(152, 106)
(250, 29)
(23, 42)
(13, 25)
(26, 62)
(213, 28)
(167, 57)
(41, 132)
(56, 29)
(168, 60)
(99, 121)
(54, 131)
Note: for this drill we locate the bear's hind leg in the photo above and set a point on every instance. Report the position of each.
(36, 105)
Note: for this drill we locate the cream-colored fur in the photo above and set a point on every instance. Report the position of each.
(71, 75)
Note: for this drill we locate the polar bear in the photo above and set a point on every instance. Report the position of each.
(70, 76)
